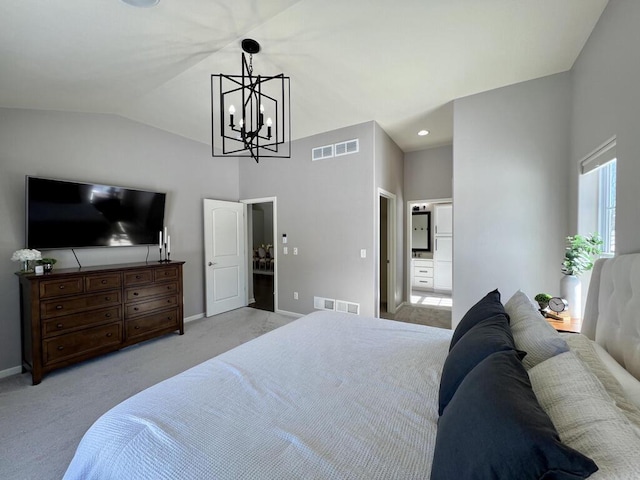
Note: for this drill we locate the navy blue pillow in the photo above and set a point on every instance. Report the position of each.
(494, 428)
(488, 306)
(484, 338)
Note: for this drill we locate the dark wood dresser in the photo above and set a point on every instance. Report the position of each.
(72, 314)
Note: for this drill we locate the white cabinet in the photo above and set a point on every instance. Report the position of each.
(443, 219)
(443, 263)
(422, 274)
(443, 247)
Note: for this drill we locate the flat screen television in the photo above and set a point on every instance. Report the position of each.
(64, 214)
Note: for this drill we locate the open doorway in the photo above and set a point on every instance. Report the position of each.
(261, 261)
(430, 259)
(386, 304)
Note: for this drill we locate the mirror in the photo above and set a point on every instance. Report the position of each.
(420, 231)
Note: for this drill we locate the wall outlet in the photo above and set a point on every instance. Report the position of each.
(363, 253)
(285, 250)
(295, 250)
(295, 295)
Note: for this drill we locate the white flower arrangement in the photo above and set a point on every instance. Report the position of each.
(25, 255)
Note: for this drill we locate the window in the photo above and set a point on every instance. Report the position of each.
(607, 206)
(597, 204)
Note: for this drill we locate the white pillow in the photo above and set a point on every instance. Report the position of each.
(587, 352)
(531, 332)
(630, 384)
(586, 417)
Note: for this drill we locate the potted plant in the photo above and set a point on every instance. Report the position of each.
(47, 263)
(580, 252)
(543, 300)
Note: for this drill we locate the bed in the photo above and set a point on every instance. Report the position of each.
(339, 396)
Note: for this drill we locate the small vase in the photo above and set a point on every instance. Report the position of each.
(25, 266)
(570, 290)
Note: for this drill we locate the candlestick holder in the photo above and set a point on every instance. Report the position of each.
(160, 257)
(168, 257)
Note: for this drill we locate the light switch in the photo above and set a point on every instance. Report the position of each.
(295, 250)
(363, 253)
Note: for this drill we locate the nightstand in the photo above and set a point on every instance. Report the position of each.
(566, 324)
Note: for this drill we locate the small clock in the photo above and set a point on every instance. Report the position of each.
(558, 304)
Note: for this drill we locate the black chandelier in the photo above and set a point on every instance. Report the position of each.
(253, 112)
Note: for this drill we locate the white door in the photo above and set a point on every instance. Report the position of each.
(224, 256)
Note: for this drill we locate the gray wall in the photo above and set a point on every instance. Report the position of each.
(606, 102)
(428, 174)
(511, 171)
(111, 150)
(389, 168)
(326, 208)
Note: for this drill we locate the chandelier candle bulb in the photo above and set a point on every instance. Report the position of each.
(232, 111)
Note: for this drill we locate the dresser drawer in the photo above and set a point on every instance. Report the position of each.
(80, 303)
(60, 287)
(423, 272)
(60, 348)
(158, 321)
(422, 282)
(95, 283)
(133, 294)
(140, 308)
(59, 325)
(427, 262)
(138, 277)
(166, 273)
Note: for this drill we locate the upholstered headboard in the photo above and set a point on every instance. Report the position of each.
(612, 313)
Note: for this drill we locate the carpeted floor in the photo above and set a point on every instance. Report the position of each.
(432, 316)
(40, 426)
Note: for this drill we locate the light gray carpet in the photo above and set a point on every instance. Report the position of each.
(41, 426)
(432, 316)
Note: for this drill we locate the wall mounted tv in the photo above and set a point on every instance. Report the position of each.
(63, 214)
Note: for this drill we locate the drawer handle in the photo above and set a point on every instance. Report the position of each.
(137, 327)
(108, 315)
(135, 294)
(108, 299)
(59, 307)
(166, 273)
(61, 287)
(60, 348)
(169, 301)
(135, 309)
(168, 287)
(104, 282)
(59, 325)
(138, 277)
(109, 334)
(169, 317)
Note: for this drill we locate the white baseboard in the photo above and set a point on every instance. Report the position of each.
(10, 371)
(290, 314)
(197, 316)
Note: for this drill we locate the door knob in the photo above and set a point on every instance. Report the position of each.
(211, 264)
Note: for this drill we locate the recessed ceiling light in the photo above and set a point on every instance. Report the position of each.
(422, 133)
(141, 3)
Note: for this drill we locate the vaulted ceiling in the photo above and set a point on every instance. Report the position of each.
(400, 63)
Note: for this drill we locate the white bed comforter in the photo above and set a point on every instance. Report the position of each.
(330, 396)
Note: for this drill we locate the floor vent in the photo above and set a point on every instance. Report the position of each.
(320, 303)
(348, 307)
(320, 153)
(347, 148)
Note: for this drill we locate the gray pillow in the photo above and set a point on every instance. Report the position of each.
(531, 332)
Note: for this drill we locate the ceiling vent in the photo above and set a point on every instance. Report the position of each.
(320, 153)
(347, 148)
